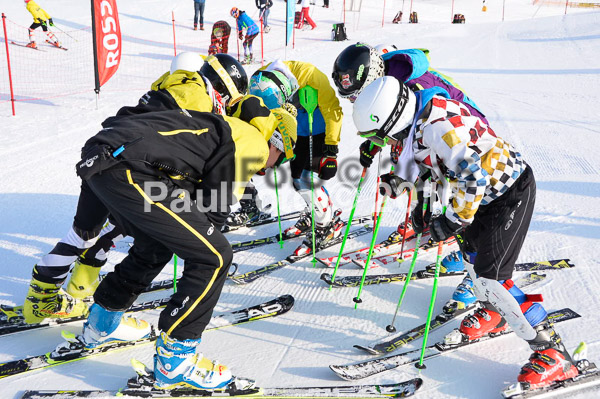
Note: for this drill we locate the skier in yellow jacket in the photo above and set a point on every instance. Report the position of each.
(276, 84)
(40, 18)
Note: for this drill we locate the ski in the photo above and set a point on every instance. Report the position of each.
(263, 271)
(12, 321)
(266, 220)
(271, 308)
(385, 260)
(368, 368)
(397, 390)
(354, 281)
(395, 342)
(251, 244)
(55, 46)
(588, 377)
(558, 264)
(23, 45)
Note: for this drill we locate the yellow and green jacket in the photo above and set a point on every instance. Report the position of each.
(39, 15)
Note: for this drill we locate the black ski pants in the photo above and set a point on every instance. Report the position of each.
(499, 229)
(159, 232)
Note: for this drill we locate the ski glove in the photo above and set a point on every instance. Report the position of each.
(368, 150)
(391, 185)
(50, 22)
(241, 35)
(420, 221)
(328, 164)
(441, 228)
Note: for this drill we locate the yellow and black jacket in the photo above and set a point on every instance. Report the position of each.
(39, 15)
(309, 75)
(195, 150)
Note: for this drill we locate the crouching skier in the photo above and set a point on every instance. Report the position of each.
(168, 179)
(492, 201)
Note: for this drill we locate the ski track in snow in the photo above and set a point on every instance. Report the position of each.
(535, 76)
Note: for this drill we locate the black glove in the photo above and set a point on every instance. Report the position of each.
(50, 22)
(328, 164)
(420, 221)
(391, 185)
(368, 150)
(241, 35)
(441, 228)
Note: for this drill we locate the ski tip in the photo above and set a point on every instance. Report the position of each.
(367, 349)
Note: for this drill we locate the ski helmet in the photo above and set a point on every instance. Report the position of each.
(385, 109)
(235, 12)
(227, 76)
(285, 135)
(385, 48)
(273, 87)
(187, 61)
(355, 68)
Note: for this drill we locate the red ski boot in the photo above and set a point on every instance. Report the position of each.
(31, 44)
(483, 322)
(550, 361)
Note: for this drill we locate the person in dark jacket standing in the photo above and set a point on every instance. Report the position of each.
(264, 10)
(199, 13)
(167, 178)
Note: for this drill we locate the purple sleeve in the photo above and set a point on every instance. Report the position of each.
(400, 66)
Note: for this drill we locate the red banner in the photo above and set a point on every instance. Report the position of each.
(108, 39)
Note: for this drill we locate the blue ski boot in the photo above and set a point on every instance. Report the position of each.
(177, 364)
(452, 263)
(463, 296)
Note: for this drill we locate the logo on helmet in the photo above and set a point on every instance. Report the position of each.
(234, 71)
(374, 118)
(361, 70)
(346, 81)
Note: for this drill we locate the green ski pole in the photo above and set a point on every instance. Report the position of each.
(278, 212)
(438, 261)
(390, 327)
(174, 274)
(358, 188)
(309, 100)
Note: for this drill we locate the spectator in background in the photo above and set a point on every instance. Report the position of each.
(326, 3)
(264, 10)
(304, 16)
(199, 13)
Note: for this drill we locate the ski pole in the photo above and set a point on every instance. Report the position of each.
(357, 299)
(309, 101)
(405, 226)
(278, 212)
(438, 261)
(65, 33)
(174, 274)
(390, 327)
(358, 188)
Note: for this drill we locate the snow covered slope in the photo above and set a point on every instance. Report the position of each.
(536, 76)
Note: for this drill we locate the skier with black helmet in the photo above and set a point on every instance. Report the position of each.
(489, 187)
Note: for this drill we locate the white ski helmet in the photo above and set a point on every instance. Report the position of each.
(187, 61)
(383, 109)
(385, 48)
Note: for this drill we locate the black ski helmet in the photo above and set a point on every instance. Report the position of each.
(225, 73)
(355, 68)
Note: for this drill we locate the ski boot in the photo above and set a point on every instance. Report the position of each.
(32, 45)
(177, 364)
(195, 26)
(247, 213)
(462, 298)
(323, 235)
(267, 29)
(452, 263)
(84, 280)
(483, 322)
(46, 301)
(550, 361)
(106, 327)
(201, 26)
(303, 224)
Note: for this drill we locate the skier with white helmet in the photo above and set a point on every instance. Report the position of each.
(491, 187)
(360, 64)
